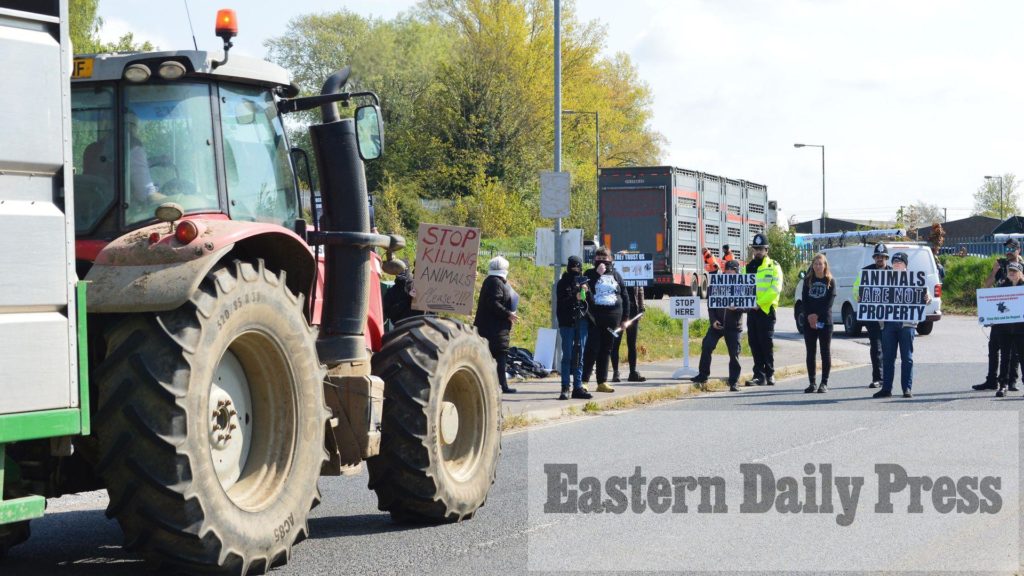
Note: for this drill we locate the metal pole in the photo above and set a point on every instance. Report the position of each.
(823, 188)
(597, 167)
(557, 163)
(1001, 204)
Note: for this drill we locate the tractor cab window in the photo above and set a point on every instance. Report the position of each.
(94, 154)
(167, 136)
(256, 161)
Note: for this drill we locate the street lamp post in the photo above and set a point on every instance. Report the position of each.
(1000, 193)
(822, 146)
(597, 156)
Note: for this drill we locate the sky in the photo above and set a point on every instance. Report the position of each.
(914, 100)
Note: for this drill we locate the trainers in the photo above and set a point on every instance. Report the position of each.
(602, 387)
(750, 382)
(699, 379)
(636, 377)
(810, 388)
(823, 387)
(581, 393)
(986, 385)
(883, 393)
(907, 394)
(874, 384)
(733, 388)
(1001, 392)
(755, 382)
(771, 381)
(1013, 388)
(564, 395)
(615, 377)
(508, 390)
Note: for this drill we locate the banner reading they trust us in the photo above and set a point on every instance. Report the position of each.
(891, 296)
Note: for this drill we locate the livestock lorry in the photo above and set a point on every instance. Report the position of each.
(228, 352)
(673, 214)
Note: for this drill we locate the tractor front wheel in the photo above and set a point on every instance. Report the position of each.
(211, 422)
(440, 437)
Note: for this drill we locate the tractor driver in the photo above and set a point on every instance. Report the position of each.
(142, 188)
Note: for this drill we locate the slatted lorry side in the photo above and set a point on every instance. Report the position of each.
(673, 213)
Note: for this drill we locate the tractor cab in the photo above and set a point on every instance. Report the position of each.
(153, 128)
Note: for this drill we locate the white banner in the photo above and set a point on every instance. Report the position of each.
(636, 269)
(684, 307)
(732, 291)
(892, 296)
(1000, 305)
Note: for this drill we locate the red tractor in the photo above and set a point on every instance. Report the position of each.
(237, 351)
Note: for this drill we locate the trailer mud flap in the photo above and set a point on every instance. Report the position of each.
(356, 404)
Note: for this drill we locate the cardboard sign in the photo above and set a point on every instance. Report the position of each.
(732, 291)
(635, 269)
(892, 296)
(445, 268)
(1000, 305)
(687, 307)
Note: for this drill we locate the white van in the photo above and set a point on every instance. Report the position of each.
(845, 263)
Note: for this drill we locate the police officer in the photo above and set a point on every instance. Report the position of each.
(881, 262)
(996, 276)
(761, 321)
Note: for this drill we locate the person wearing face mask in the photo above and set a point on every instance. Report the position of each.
(898, 335)
(761, 320)
(997, 275)
(609, 311)
(818, 294)
(573, 295)
(725, 323)
(881, 262)
(1011, 336)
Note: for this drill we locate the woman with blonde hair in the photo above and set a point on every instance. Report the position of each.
(818, 294)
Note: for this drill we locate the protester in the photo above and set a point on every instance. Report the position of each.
(1011, 336)
(397, 301)
(573, 294)
(997, 275)
(881, 262)
(637, 306)
(761, 321)
(494, 315)
(727, 323)
(898, 335)
(818, 294)
(609, 311)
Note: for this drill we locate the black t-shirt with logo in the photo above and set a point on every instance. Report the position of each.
(819, 293)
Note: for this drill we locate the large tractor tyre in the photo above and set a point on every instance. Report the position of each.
(211, 422)
(440, 437)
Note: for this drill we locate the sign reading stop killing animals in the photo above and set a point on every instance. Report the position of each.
(445, 268)
(891, 296)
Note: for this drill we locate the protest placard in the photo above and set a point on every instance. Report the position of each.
(445, 268)
(891, 296)
(635, 269)
(732, 291)
(684, 307)
(1000, 305)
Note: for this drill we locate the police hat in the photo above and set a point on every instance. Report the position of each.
(732, 265)
(881, 250)
(1011, 245)
(760, 241)
(900, 257)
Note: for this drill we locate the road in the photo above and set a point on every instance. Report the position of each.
(779, 426)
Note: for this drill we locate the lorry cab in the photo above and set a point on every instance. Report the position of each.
(151, 128)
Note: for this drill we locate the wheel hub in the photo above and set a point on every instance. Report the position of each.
(230, 420)
(449, 422)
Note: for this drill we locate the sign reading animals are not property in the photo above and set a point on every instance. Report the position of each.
(732, 291)
(445, 268)
(891, 296)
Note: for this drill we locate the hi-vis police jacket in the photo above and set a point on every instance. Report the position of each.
(768, 279)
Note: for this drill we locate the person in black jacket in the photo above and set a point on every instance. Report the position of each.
(881, 258)
(494, 315)
(636, 305)
(571, 310)
(728, 323)
(818, 294)
(1011, 336)
(997, 275)
(609, 311)
(397, 302)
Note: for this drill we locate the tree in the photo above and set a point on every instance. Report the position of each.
(918, 215)
(997, 201)
(85, 31)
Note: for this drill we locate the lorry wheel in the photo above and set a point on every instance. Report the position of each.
(800, 317)
(440, 436)
(850, 324)
(211, 422)
(925, 328)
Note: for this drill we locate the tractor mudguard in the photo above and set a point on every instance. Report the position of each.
(150, 270)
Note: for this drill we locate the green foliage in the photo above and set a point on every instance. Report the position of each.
(998, 197)
(85, 29)
(783, 248)
(963, 277)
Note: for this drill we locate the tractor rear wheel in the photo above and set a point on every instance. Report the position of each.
(440, 436)
(211, 422)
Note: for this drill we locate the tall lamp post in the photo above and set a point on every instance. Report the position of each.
(597, 155)
(1000, 193)
(822, 146)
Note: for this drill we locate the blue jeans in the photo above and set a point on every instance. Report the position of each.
(895, 335)
(573, 336)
